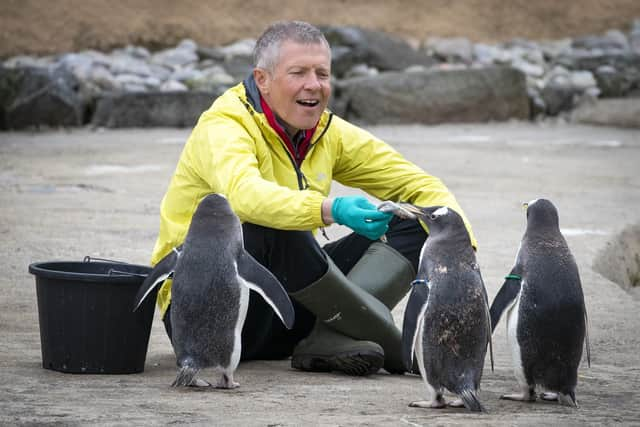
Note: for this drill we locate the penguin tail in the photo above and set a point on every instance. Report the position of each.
(471, 402)
(186, 374)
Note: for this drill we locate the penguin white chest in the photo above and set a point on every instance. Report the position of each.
(242, 314)
(512, 338)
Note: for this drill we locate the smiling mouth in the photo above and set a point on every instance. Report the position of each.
(308, 103)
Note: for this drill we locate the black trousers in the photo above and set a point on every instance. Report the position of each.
(297, 260)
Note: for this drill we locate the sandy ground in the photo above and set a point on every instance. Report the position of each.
(69, 25)
(67, 194)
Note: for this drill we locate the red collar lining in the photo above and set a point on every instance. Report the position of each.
(303, 146)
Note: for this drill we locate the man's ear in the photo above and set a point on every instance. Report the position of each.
(261, 76)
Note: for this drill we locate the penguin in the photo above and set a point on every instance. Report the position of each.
(446, 320)
(547, 323)
(212, 275)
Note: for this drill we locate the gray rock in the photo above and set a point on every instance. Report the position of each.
(490, 55)
(211, 79)
(124, 64)
(536, 103)
(152, 82)
(558, 76)
(558, 96)
(130, 80)
(468, 95)
(151, 109)
(578, 59)
(563, 88)
(342, 60)
(634, 37)
(238, 67)
(361, 70)
(620, 112)
(450, 49)
(582, 80)
(186, 53)
(551, 49)
(210, 53)
(24, 61)
(173, 86)
(39, 97)
(612, 82)
(242, 47)
(98, 58)
(375, 48)
(102, 78)
(611, 40)
(183, 74)
(161, 72)
(137, 52)
(528, 68)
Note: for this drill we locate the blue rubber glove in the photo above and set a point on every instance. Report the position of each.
(357, 213)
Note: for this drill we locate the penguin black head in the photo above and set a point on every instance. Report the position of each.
(440, 218)
(214, 204)
(541, 213)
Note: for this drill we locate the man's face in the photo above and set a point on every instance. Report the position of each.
(299, 87)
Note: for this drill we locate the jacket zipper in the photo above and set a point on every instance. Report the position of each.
(302, 185)
(294, 161)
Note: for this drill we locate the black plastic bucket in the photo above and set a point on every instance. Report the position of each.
(87, 323)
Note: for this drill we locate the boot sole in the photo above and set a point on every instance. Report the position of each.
(356, 364)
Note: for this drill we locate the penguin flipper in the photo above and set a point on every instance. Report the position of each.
(162, 271)
(413, 314)
(505, 298)
(259, 279)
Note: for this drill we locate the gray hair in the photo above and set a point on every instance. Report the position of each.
(267, 49)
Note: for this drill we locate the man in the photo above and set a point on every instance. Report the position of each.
(272, 148)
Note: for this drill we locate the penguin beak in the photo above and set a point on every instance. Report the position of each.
(525, 206)
(412, 209)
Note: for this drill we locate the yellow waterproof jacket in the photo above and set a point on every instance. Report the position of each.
(234, 151)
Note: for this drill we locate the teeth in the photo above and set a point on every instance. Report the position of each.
(309, 103)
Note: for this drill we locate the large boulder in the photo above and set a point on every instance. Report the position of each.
(149, 109)
(35, 96)
(618, 112)
(436, 96)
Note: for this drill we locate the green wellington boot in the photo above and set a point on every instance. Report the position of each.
(326, 350)
(352, 321)
(386, 274)
(383, 272)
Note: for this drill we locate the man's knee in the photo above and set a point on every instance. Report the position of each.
(294, 257)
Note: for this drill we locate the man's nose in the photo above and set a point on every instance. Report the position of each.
(312, 82)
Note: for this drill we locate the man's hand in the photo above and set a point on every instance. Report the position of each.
(357, 213)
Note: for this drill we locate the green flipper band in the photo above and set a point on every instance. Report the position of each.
(513, 276)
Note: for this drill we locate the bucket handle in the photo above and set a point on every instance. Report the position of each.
(113, 271)
(89, 258)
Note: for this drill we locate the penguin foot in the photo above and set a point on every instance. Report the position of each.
(430, 404)
(549, 396)
(457, 403)
(563, 399)
(199, 382)
(568, 400)
(227, 382)
(521, 397)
